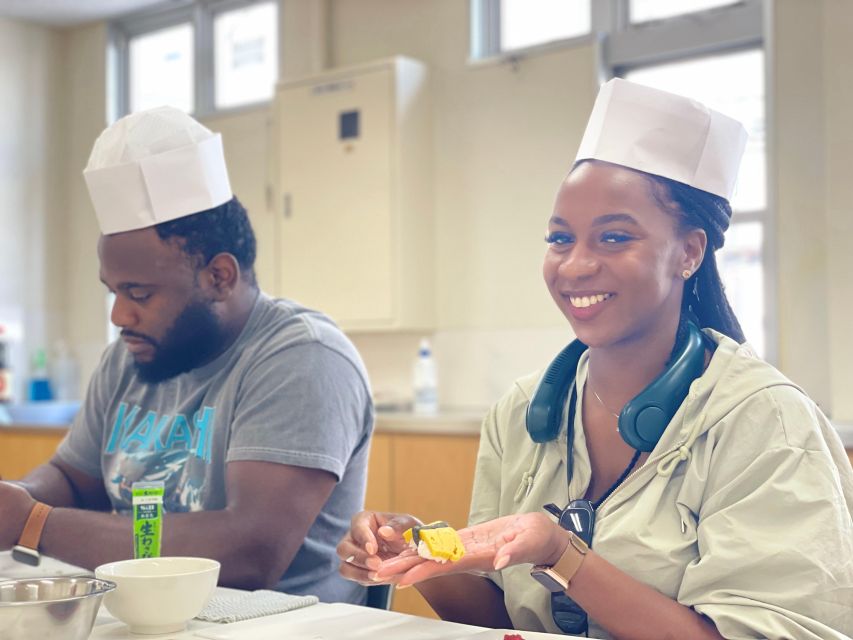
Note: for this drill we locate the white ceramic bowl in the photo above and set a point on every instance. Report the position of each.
(158, 595)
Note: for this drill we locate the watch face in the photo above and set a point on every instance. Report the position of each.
(548, 579)
(26, 555)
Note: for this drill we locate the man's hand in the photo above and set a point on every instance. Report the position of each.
(15, 507)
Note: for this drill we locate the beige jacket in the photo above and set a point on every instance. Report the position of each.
(742, 511)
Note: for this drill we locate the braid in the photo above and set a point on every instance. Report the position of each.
(704, 293)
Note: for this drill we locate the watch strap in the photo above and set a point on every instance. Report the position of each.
(31, 535)
(558, 577)
(572, 559)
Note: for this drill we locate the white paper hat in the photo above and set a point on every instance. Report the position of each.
(153, 166)
(664, 134)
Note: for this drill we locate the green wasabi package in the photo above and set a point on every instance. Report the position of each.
(147, 518)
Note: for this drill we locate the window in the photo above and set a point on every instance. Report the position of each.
(732, 84)
(160, 69)
(200, 56)
(716, 57)
(245, 55)
(742, 269)
(647, 10)
(506, 26)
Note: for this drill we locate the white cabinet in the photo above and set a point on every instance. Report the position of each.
(354, 226)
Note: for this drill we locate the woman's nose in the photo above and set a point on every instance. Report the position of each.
(579, 263)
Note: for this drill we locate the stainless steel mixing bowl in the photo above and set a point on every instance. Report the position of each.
(62, 608)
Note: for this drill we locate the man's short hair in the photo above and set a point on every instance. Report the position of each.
(222, 229)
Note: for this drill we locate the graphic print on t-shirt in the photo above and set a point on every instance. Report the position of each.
(145, 445)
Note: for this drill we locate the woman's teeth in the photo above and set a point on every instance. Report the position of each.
(588, 301)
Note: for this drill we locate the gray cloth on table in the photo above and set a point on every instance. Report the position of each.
(234, 607)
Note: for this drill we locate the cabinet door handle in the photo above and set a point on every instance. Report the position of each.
(286, 205)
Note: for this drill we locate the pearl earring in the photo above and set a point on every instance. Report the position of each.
(686, 274)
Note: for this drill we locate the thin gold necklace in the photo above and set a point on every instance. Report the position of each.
(598, 397)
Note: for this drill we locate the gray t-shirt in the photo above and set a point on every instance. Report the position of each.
(292, 389)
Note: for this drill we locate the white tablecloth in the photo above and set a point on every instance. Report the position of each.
(318, 622)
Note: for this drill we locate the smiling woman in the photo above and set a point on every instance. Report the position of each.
(680, 455)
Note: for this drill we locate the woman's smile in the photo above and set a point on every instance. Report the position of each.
(586, 305)
(583, 301)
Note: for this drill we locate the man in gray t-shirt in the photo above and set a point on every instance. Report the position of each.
(255, 413)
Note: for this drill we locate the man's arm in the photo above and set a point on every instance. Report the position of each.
(270, 508)
(60, 485)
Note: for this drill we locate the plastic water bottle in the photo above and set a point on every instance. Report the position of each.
(39, 389)
(65, 374)
(5, 374)
(425, 381)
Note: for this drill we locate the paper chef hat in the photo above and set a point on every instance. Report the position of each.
(664, 134)
(153, 166)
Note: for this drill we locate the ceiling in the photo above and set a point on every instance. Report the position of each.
(65, 13)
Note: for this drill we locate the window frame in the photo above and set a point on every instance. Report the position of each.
(200, 14)
(691, 35)
(485, 34)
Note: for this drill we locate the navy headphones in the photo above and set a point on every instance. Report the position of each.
(643, 419)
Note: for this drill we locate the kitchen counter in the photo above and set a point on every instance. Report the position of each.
(452, 422)
(462, 422)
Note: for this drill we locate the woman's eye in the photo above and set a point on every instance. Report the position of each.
(558, 238)
(615, 237)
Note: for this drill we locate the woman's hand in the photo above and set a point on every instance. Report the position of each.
(372, 538)
(489, 546)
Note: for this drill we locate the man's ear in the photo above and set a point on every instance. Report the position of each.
(221, 276)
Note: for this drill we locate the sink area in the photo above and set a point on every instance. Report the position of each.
(48, 413)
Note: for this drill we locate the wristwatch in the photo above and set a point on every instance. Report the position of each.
(27, 549)
(557, 577)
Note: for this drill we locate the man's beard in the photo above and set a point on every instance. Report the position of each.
(194, 338)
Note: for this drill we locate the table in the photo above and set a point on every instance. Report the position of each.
(318, 622)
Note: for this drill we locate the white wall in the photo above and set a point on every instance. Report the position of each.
(31, 153)
(83, 117)
(837, 51)
(504, 136)
(812, 151)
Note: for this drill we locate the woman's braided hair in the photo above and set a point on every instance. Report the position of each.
(704, 294)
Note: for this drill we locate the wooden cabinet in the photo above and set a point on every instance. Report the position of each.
(22, 449)
(429, 476)
(354, 183)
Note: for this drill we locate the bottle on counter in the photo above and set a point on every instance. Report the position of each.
(39, 387)
(5, 373)
(65, 374)
(425, 381)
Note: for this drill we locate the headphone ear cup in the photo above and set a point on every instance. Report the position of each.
(644, 419)
(545, 410)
